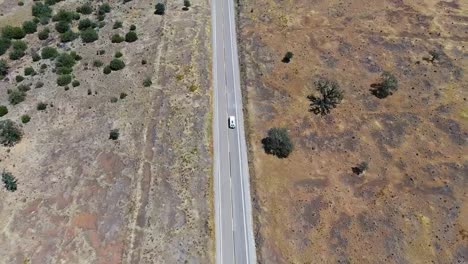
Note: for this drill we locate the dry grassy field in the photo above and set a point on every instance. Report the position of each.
(82, 197)
(410, 206)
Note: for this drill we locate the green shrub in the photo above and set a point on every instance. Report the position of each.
(114, 100)
(64, 79)
(41, 10)
(107, 70)
(25, 119)
(116, 64)
(19, 45)
(23, 88)
(101, 17)
(39, 84)
(43, 34)
(75, 56)
(49, 53)
(287, 57)
(44, 20)
(4, 45)
(131, 36)
(114, 134)
(29, 71)
(187, 4)
(65, 60)
(62, 26)
(51, 2)
(117, 24)
(89, 35)
(16, 96)
(68, 36)
(147, 82)
(16, 54)
(386, 87)
(75, 83)
(41, 106)
(9, 181)
(123, 95)
(132, 27)
(85, 9)
(3, 69)
(116, 38)
(101, 52)
(118, 54)
(97, 63)
(20, 3)
(29, 27)
(330, 96)
(76, 16)
(35, 57)
(278, 143)
(64, 70)
(36, 20)
(85, 24)
(19, 78)
(160, 9)
(64, 15)
(143, 62)
(10, 32)
(104, 8)
(360, 168)
(3, 110)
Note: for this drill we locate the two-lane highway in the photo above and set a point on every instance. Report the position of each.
(233, 209)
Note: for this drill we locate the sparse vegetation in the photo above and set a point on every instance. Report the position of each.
(3, 110)
(9, 181)
(386, 87)
(39, 84)
(23, 87)
(114, 134)
(131, 36)
(330, 96)
(25, 119)
(64, 79)
(97, 63)
(287, 57)
(160, 9)
(116, 64)
(278, 143)
(16, 96)
(10, 133)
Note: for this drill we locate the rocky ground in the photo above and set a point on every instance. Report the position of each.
(410, 206)
(84, 198)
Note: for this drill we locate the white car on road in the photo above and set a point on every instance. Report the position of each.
(232, 122)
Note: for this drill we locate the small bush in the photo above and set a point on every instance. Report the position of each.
(278, 143)
(85, 24)
(114, 100)
(41, 106)
(116, 38)
(64, 70)
(76, 83)
(360, 168)
(29, 71)
(4, 45)
(19, 45)
(16, 54)
(62, 26)
(64, 15)
(107, 69)
(10, 133)
(19, 78)
(116, 64)
(97, 63)
(160, 9)
(16, 96)
(23, 88)
(3, 69)
(147, 82)
(20, 3)
(65, 60)
(132, 27)
(29, 27)
(131, 37)
(64, 79)
(104, 8)
(75, 56)
(287, 57)
(49, 53)
(68, 36)
(114, 134)
(85, 9)
(143, 62)
(386, 87)
(330, 96)
(89, 35)
(123, 95)
(9, 181)
(41, 10)
(3, 110)
(43, 34)
(117, 24)
(187, 4)
(10, 32)
(118, 54)
(35, 57)
(44, 20)
(51, 2)
(25, 119)
(39, 84)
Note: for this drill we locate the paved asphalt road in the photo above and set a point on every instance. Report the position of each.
(233, 209)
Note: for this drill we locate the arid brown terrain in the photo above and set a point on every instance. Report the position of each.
(411, 205)
(84, 198)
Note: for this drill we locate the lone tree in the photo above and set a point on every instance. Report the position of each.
(10, 133)
(330, 96)
(386, 87)
(287, 57)
(278, 143)
(160, 9)
(9, 181)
